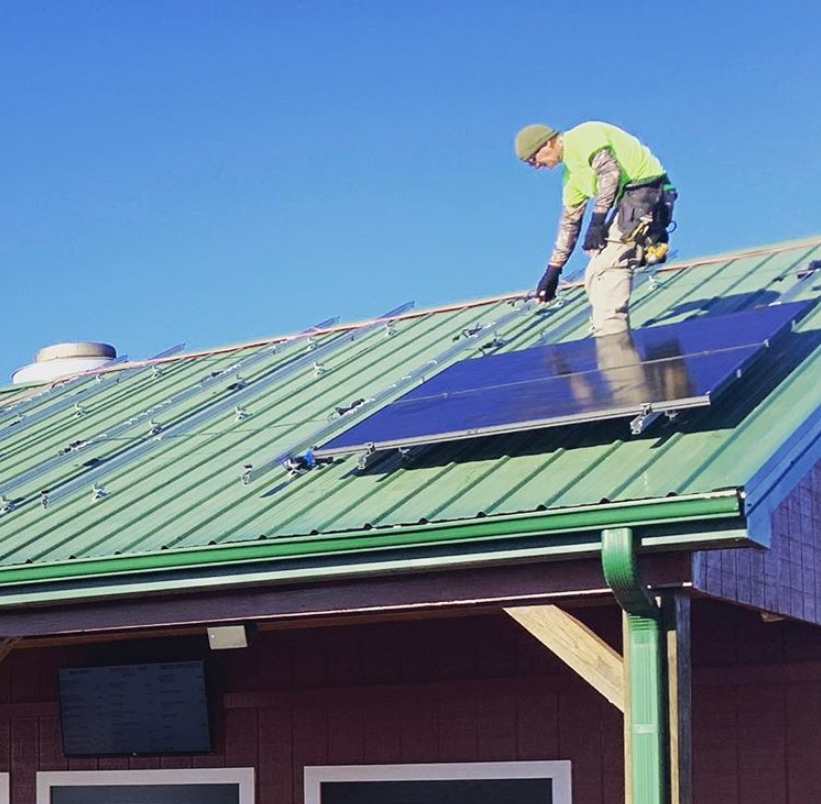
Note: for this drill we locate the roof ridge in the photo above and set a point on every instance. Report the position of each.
(445, 308)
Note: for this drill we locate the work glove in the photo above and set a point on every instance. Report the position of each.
(546, 289)
(596, 237)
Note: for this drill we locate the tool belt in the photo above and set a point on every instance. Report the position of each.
(645, 211)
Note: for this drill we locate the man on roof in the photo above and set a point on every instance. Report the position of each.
(632, 210)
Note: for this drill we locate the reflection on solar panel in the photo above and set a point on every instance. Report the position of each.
(642, 373)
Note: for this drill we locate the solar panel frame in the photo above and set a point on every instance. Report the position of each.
(442, 393)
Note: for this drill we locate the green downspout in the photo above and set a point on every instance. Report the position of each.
(644, 664)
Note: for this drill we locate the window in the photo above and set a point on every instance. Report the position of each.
(453, 783)
(196, 786)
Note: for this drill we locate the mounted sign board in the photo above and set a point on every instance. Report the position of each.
(134, 709)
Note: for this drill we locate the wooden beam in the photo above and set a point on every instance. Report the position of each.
(676, 620)
(472, 589)
(7, 646)
(628, 712)
(577, 646)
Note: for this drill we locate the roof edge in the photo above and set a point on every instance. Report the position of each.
(719, 505)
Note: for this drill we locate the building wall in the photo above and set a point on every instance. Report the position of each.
(466, 689)
(784, 579)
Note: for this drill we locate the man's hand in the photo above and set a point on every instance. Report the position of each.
(596, 237)
(546, 289)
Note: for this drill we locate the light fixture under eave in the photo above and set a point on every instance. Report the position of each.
(229, 637)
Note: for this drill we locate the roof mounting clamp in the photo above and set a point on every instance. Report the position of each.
(470, 332)
(298, 464)
(240, 413)
(238, 384)
(390, 330)
(344, 410)
(366, 458)
(79, 410)
(156, 374)
(97, 492)
(319, 370)
(154, 427)
(496, 343)
(6, 505)
(44, 498)
(644, 419)
(73, 446)
(245, 477)
(812, 268)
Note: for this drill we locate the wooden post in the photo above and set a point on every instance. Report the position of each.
(628, 713)
(676, 621)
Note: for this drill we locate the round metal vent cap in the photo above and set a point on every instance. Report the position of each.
(59, 351)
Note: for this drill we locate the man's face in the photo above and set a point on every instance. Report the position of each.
(548, 156)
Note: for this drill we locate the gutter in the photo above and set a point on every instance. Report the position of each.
(675, 518)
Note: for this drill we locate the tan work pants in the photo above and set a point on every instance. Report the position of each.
(608, 281)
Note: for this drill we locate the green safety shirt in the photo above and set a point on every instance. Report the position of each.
(582, 143)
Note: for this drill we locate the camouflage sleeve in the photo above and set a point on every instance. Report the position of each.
(608, 178)
(570, 224)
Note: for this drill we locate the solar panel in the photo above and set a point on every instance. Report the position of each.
(637, 374)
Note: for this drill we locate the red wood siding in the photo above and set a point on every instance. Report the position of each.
(784, 579)
(466, 689)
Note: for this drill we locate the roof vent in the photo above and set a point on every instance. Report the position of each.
(63, 360)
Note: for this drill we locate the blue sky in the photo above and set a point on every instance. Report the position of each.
(214, 172)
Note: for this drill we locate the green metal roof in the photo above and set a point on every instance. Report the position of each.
(185, 492)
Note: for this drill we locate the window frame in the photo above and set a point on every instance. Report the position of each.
(558, 771)
(243, 777)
